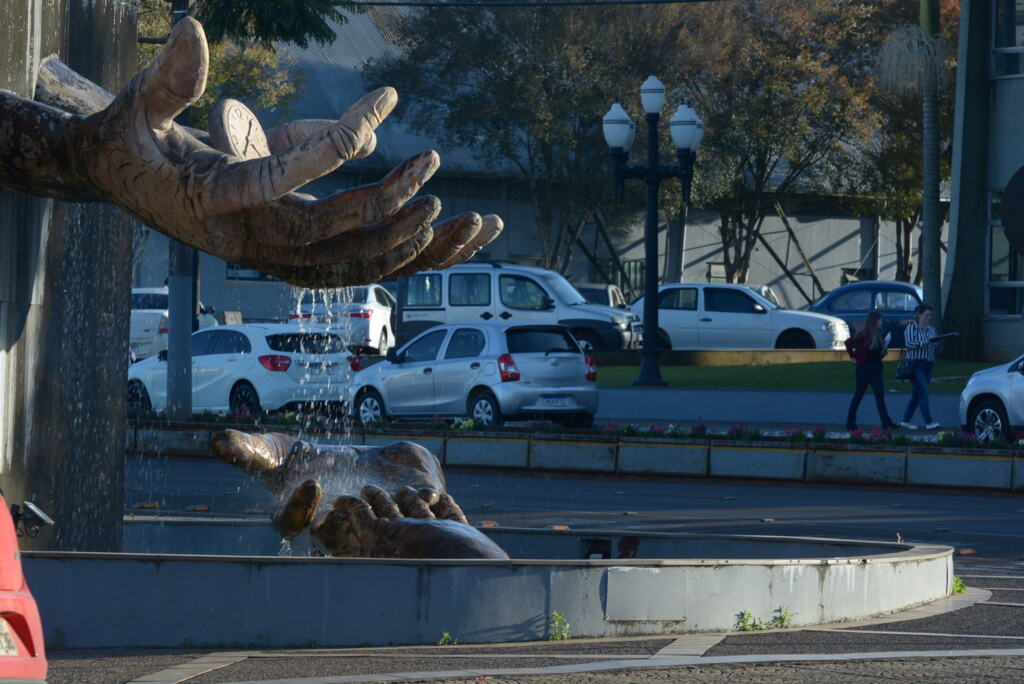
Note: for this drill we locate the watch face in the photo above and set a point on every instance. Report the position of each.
(1012, 211)
(236, 130)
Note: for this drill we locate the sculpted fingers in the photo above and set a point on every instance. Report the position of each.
(297, 513)
(447, 509)
(490, 228)
(255, 182)
(176, 77)
(382, 505)
(294, 132)
(450, 238)
(252, 453)
(335, 534)
(412, 505)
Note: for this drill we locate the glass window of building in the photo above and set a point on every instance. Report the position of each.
(1008, 37)
(1005, 268)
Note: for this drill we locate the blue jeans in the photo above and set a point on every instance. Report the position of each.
(920, 379)
(868, 374)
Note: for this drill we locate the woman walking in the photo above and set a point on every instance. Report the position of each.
(867, 348)
(920, 343)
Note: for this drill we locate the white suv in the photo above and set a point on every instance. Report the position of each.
(717, 316)
(504, 292)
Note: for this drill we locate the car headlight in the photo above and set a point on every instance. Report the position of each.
(828, 326)
(620, 322)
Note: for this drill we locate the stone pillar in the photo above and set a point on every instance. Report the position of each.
(964, 278)
(65, 277)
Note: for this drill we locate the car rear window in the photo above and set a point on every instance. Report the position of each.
(540, 341)
(149, 300)
(306, 343)
(341, 295)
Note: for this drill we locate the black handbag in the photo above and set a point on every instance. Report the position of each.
(905, 367)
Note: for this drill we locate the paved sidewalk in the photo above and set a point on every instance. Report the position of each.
(979, 637)
(789, 408)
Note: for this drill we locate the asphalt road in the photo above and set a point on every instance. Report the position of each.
(990, 523)
(758, 407)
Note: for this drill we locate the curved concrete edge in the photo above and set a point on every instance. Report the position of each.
(100, 600)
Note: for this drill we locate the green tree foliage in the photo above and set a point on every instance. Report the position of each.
(264, 21)
(253, 73)
(521, 87)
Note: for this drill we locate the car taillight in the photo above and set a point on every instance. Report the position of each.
(163, 325)
(508, 369)
(359, 314)
(591, 368)
(273, 362)
(355, 363)
(293, 316)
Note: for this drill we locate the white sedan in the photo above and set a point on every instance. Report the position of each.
(148, 336)
(362, 315)
(245, 369)
(720, 316)
(992, 403)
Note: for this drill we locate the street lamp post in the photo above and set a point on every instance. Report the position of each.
(687, 130)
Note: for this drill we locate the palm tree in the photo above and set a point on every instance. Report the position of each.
(912, 63)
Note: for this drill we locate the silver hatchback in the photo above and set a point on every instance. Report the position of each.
(490, 372)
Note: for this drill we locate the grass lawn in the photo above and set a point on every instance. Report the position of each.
(833, 375)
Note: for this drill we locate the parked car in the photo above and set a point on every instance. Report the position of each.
(148, 336)
(894, 300)
(363, 315)
(476, 292)
(992, 403)
(767, 292)
(250, 368)
(603, 294)
(491, 372)
(22, 652)
(719, 316)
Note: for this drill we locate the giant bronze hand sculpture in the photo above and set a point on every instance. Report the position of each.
(233, 193)
(421, 521)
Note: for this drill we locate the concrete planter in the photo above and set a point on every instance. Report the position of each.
(573, 453)
(857, 464)
(959, 467)
(665, 456)
(769, 460)
(492, 450)
(812, 462)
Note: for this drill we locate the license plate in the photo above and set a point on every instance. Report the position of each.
(555, 401)
(322, 368)
(8, 647)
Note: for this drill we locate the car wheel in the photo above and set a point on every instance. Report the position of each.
(244, 400)
(794, 339)
(382, 342)
(988, 420)
(370, 408)
(483, 408)
(138, 398)
(588, 341)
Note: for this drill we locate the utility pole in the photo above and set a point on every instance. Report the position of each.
(181, 302)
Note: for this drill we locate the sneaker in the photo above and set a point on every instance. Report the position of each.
(932, 426)
(907, 425)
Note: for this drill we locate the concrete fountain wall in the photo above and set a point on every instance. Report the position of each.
(678, 583)
(65, 275)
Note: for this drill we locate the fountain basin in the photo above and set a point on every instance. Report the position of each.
(167, 599)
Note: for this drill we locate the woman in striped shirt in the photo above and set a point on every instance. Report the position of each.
(921, 353)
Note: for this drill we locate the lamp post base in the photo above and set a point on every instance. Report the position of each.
(650, 373)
